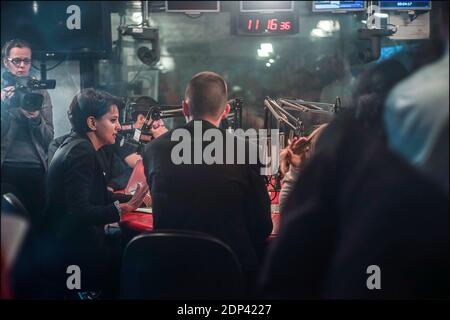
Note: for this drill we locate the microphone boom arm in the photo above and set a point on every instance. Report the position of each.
(270, 104)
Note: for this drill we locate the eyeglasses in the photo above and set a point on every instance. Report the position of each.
(18, 61)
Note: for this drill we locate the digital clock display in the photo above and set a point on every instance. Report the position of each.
(266, 24)
(405, 5)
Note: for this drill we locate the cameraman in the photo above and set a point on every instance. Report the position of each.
(25, 134)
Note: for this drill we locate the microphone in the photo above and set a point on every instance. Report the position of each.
(127, 126)
(130, 130)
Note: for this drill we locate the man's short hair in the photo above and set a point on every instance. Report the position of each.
(142, 106)
(89, 102)
(206, 93)
(14, 43)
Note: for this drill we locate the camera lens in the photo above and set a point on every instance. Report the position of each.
(32, 101)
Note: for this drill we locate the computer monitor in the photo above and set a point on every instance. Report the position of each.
(266, 6)
(405, 5)
(59, 29)
(192, 6)
(338, 6)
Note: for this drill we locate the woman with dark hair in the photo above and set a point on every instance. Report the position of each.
(79, 205)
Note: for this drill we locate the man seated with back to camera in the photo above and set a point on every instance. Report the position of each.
(228, 201)
(127, 150)
(26, 131)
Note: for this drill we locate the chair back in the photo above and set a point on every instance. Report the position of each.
(12, 205)
(170, 264)
(14, 229)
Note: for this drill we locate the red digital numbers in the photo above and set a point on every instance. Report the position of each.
(268, 25)
(272, 24)
(250, 24)
(285, 25)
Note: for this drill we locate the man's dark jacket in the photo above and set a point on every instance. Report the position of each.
(228, 201)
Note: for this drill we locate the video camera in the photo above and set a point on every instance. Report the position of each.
(24, 97)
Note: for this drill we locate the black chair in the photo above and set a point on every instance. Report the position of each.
(14, 231)
(12, 205)
(172, 264)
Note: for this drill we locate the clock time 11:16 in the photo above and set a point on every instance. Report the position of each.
(271, 25)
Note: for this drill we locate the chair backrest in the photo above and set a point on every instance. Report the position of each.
(14, 229)
(172, 264)
(12, 205)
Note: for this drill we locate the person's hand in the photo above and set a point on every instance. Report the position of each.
(294, 154)
(30, 114)
(298, 149)
(136, 200)
(157, 128)
(284, 160)
(7, 92)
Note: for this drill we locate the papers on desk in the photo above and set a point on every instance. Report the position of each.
(144, 210)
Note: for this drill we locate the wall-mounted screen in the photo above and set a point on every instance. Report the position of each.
(192, 6)
(266, 6)
(338, 6)
(405, 5)
(57, 29)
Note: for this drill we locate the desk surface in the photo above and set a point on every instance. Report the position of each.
(137, 221)
(143, 222)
